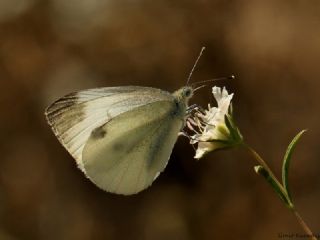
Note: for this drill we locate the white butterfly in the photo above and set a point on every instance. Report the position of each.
(121, 137)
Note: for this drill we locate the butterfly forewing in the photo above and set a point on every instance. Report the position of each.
(74, 117)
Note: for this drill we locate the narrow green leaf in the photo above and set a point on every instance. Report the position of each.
(286, 162)
(240, 138)
(228, 121)
(218, 141)
(264, 173)
(234, 131)
(230, 110)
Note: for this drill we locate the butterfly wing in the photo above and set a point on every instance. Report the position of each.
(74, 117)
(127, 154)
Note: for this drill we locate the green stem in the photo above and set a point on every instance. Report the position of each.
(264, 164)
(282, 189)
(304, 225)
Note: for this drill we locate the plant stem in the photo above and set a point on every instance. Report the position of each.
(265, 165)
(304, 225)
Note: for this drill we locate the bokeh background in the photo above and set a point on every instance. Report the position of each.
(49, 48)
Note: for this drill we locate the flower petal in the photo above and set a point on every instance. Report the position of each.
(213, 132)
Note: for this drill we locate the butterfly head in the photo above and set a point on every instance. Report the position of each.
(183, 94)
(187, 92)
(181, 99)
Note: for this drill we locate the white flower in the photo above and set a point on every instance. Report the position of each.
(210, 127)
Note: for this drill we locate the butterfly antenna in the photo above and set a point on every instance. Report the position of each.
(215, 79)
(197, 88)
(195, 64)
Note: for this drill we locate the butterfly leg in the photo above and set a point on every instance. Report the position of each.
(194, 108)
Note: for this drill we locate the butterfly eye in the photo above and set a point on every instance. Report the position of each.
(187, 92)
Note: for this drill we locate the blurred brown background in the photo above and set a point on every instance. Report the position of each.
(51, 47)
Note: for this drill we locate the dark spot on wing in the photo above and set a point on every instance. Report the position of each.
(98, 133)
(117, 146)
